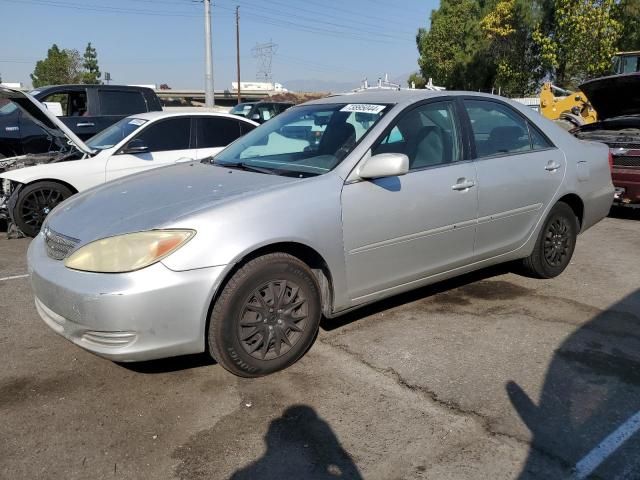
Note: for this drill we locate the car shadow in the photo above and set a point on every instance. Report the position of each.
(590, 392)
(171, 364)
(329, 324)
(625, 213)
(300, 444)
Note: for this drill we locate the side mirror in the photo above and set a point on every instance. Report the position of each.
(135, 146)
(385, 165)
(256, 117)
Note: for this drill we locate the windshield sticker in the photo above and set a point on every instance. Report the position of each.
(137, 122)
(363, 108)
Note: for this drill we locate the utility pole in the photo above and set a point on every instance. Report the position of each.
(208, 76)
(238, 48)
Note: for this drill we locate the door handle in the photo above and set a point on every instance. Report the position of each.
(552, 166)
(463, 185)
(85, 124)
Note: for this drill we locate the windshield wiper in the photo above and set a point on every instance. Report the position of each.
(249, 168)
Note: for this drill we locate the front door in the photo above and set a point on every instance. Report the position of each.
(519, 172)
(399, 230)
(168, 141)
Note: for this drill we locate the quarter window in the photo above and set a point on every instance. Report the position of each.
(497, 129)
(538, 141)
(166, 135)
(217, 132)
(428, 135)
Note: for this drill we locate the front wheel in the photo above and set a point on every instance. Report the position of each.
(34, 203)
(555, 245)
(266, 317)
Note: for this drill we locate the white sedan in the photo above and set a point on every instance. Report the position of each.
(136, 143)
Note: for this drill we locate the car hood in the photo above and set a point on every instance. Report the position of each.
(155, 199)
(614, 96)
(40, 113)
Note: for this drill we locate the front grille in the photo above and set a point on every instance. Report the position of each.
(624, 161)
(628, 146)
(58, 246)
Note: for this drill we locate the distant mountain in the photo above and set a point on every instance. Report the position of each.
(313, 85)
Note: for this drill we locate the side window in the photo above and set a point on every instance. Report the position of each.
(166, 135)
(217, 131)
(538, 141)
(428, 135)
(497, 129)
(245, 128)
(119, 102)
(73, 104)
(266, 112)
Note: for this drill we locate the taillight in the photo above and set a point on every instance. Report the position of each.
(610, 161)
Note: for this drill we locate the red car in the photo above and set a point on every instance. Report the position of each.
(616, 99)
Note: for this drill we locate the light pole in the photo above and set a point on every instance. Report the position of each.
(208, 76)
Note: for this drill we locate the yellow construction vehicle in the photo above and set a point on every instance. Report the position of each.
(626, 62)
(571, 107)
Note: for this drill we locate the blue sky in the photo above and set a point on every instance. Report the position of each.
(162, 41)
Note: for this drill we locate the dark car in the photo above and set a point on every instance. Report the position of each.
(260, 111)
(85, 109)
(617, 102)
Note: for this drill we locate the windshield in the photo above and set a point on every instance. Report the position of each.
(115, 133)
(242, 109)
(306, 140)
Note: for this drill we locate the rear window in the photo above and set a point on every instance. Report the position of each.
(115, 102)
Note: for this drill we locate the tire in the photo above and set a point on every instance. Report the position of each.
(555, 245)
(247, 311)
(34, 203)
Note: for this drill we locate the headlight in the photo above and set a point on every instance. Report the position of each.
(126, 253)
(6, 186)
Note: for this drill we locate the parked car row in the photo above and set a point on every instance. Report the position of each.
(84, 109)
(327, 207)
(134, 144)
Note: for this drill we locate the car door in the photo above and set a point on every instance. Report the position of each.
(114, 105)
(167, 141)
(213, 133)
(76, 111)
(399, 230)
(519, 172)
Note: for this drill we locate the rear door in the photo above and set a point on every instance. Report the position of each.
(114, 105)
(215, 133)
(168, 141)
(519, 172)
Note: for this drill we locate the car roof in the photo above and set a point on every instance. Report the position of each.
(167, 114)
(78, 86)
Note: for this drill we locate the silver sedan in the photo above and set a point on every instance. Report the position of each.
(331, 205)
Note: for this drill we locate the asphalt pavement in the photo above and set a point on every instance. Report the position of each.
(491, 375)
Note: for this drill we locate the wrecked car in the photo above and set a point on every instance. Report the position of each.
(617, 101)
(32, 185)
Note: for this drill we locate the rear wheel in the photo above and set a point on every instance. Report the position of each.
(555, 245)
(266, 317)
(34, 203)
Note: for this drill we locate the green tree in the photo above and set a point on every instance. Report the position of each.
(417, 80)
(508, 28)
(578, 40)
(91, 74)
(60, 67)
(453, 42)
(627, 14)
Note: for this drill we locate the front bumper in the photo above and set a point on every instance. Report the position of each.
(144, 315)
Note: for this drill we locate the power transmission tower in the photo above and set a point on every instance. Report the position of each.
(264, 53)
